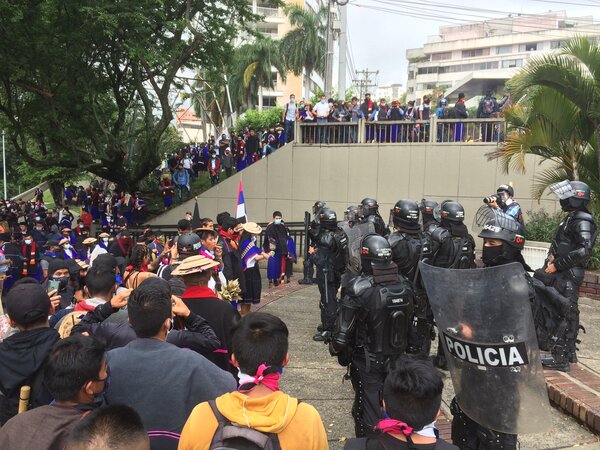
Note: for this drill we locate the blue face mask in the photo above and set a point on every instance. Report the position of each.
(277, 221)
(119, 278)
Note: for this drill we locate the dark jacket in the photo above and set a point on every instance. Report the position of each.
(276, 235)
(163, 383)
(198, 335)
(220, 315)
(22, 356)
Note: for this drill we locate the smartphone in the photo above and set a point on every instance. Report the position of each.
(53, 285)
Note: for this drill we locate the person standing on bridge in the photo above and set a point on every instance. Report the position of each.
(288, 117)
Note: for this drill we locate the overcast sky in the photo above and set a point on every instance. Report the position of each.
(379, 39)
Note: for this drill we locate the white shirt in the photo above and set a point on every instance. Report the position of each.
(321, 109)
(187, 163)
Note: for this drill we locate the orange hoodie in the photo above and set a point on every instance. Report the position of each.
(298, 425)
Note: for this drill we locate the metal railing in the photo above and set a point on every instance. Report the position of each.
(403, 131)
(267, 11)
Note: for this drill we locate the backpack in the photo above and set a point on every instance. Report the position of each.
(448, 113)
(238, 437)
(488, 106)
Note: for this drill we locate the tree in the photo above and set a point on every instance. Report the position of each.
(304, 47)
(84, 82)
(547, 124)
(571, 75)
(252, 69)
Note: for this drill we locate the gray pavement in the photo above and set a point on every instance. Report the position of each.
(316, 378)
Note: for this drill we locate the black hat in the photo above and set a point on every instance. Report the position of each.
(27, 303)
(56, 264)
(461, 95)
(50, 244)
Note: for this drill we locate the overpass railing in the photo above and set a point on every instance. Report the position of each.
(404, 131)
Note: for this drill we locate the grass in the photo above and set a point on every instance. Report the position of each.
(154, 199)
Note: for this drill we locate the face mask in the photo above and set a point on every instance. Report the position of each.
(118, 279)
(292, 100)
(67, 246)
(323, 101)
(277, 221)
(27, 241)
(62, 282)
(99, 398)
(80, 226)
(491, 256)
(39, 228)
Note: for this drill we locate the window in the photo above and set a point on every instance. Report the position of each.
(475, 52)
(530, 47)
(411, 90)
(556, 44)
(411, 74)
(441, 56)
(426, 70)
(504, 50)
(509, 63)
(269, 102)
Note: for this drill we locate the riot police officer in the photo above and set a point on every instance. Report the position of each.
(427, 209)
(372, 327)
(503, 241)
(454, 248)
(370, 213)
(330, 257)
(409, 246)
(313, 231)
(564, 269)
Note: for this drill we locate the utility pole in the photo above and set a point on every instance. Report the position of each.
(329, 55)
(363, 81)
(342, 57)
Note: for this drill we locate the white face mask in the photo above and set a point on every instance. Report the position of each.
(27, 241)
(105, 240)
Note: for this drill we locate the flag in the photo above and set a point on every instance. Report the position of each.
(240, 209)
(196, 221)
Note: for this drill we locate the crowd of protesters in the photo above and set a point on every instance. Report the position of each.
(377, 113)
(151, 343)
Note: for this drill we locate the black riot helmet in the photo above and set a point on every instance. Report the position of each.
(573, 195)
(319, 204)
(498, 226)
(405, 214)
(452, 211)
(374, 249)
(327, 218)
(428, 206)
(351, 214)
(369, 207)
(188, 244)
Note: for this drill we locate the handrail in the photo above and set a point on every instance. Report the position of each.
(486, 131)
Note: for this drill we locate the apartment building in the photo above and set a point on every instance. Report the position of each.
(474, 57)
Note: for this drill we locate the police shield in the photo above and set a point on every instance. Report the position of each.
(486, 327)
(355, 234)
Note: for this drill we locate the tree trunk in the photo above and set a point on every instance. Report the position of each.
(306, 85)
(57, 190)
(260, 98)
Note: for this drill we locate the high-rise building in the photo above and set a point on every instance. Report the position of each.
(474, 57)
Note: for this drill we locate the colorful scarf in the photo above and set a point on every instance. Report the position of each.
(249, 251)
(270, 380)
(31, 261)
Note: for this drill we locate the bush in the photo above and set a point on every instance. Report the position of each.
(259, 119)
(541, 226)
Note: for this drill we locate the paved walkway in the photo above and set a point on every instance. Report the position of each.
(315, 377)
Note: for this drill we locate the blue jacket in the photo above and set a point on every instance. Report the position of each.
(181, 177)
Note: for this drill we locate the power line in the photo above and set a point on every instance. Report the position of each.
(364, 84)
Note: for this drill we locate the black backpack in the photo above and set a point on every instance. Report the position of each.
(230, 436)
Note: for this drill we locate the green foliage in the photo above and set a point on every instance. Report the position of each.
(541, 226)
(94, 80)
(259, 119)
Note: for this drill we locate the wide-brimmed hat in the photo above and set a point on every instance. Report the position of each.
(194, 264)
(201, 230)
(89, 241)
(252, 228)
(63, 241)
(82, 264)
(104, 235)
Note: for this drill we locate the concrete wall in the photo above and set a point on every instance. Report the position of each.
(294, 177)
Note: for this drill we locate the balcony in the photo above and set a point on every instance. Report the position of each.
(268, 12)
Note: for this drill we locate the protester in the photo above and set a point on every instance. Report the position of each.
(76, 374)
(114, 427)
(221, 315)
(251, 254)
(162, 382)
(278, 241)
(227, 161)
(488, 107)
(214, 167)
(101, 247)
(260, 352)
(412, 397)
(181, 178)
(166, 187)
(23, 354)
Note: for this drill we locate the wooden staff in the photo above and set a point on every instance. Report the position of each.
(24, 396)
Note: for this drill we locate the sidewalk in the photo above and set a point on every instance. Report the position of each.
(315, 377)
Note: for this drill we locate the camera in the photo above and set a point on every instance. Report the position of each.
(491, 199)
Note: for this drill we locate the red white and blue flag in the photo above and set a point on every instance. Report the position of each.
(240, 209)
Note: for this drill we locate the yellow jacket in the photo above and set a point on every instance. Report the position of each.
(298, 425)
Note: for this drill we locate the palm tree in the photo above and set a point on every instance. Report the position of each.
(572, 75)
(252, 70)
(547, 124)
(304, 47)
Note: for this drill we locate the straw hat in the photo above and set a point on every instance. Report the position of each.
(65, 229)
(252, 228)
(82, 264)
(194, 264)
(203, 229)
(103, 235)
(63, 241)
(89, 241)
